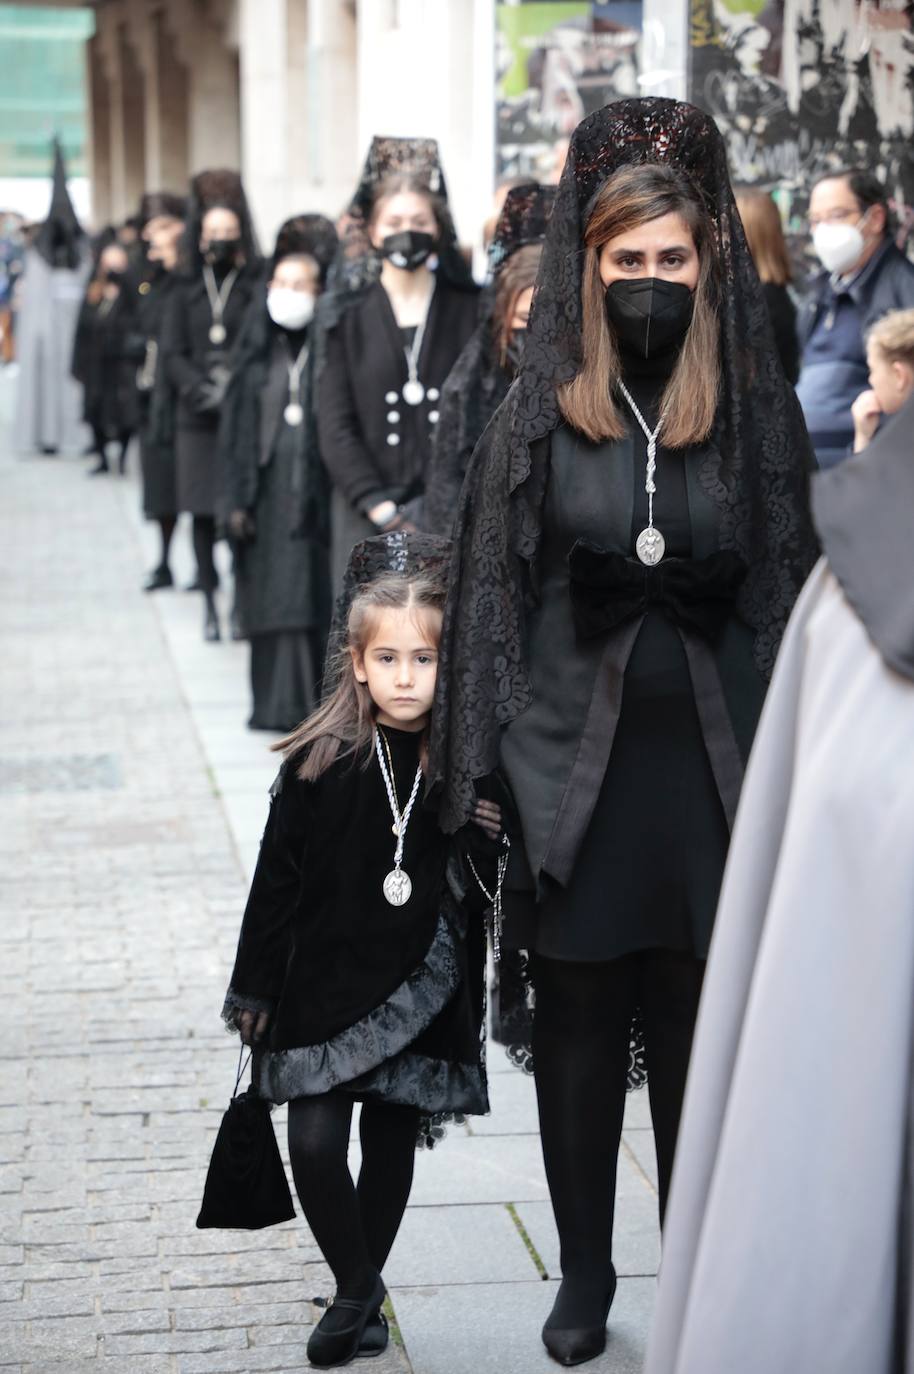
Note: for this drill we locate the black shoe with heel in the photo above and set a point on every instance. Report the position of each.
(159, 577)
(211, 632)
(337, 1338)
(577, 1345)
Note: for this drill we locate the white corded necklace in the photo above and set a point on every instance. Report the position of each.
(218, 300)
(650, 545)
(397, 886)
(413, 391)
(294, 412)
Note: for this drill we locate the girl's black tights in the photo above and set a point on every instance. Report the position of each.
(355, 1225)
(581, 1035)
(204, 543)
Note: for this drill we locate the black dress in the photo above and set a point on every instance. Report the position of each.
(157, 449)
(190, 358)
(382, 1002)
(626, 767)
(375, 446)
(103, 363)
(282, 582)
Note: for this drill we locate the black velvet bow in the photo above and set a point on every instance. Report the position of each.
(608, 589)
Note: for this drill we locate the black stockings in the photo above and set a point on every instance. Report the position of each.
(166, 524)
(581, 1033)
(204, 544)
(354, 1225)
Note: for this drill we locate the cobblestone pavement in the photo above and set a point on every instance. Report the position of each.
(131, 801)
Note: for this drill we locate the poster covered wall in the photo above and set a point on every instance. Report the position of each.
(555, 63)
(802, 86)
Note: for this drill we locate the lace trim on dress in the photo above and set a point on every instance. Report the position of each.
(307, 1070)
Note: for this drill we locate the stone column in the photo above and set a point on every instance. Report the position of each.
(100, 133)
(107, 38)
(213, 128)
(331, 128)
(265, 152)
(132, 114)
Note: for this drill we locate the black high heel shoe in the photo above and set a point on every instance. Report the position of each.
(211, 632)
(336, 1345)
(570, 1346)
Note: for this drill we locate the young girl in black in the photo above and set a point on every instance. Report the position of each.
(359, 974)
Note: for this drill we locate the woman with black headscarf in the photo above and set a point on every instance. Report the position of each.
(218, 275)
(102, 358)
(400, 307)
(633, 533)
(152, 280)
(276, 487)
(481, 376)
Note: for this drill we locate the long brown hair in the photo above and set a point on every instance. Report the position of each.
(344, 724)
(633, 196)
(517, 275)
(762, 223)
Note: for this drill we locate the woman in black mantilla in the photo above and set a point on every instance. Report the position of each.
(102, 359)
(161, 218)
(400, 307)
(277, 494)
(217, 278)
(481, 376)
(619, 681)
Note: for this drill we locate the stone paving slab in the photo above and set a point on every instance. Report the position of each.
(455, 1245)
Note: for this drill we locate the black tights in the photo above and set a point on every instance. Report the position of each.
(204, 544)
(166, 524)
(355, 1225)
(580, 1049)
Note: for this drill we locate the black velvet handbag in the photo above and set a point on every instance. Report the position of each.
(246, 1186)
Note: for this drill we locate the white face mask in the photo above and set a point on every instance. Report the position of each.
(838, 246)
(290, 309)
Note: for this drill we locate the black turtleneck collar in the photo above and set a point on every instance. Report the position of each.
(862, 510)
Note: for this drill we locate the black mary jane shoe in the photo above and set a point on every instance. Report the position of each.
(375, 1337)
(578, 1345)
(158, 579)
(329, 1349)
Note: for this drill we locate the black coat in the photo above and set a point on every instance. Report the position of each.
(103, 362)
(189, 359)
(156, 415)
(783, 314)
(375, 446)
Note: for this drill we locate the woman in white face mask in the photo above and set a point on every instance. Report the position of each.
(276, 485)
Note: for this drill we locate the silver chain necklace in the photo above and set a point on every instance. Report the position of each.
(397, 885)
(413, 391)
(650, 545)
(218, 300)
(294, 412)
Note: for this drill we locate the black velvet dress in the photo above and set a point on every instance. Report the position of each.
(383, 1002)
(626, 768)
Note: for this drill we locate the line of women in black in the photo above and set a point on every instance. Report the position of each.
(628, 469)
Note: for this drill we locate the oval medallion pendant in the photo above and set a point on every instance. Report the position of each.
(293, 413)
(413, 392)
(650, 546)
(217, 334)
(398, 887)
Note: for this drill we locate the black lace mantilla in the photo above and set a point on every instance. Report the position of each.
(756, 470)
(478, 383)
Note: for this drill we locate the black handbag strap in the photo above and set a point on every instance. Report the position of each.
(241, 1068)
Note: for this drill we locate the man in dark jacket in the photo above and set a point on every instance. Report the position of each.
(864, 277)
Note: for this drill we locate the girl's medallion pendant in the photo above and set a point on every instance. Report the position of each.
(398, 887)
(650, 546)
(217, 334)
(413, 392)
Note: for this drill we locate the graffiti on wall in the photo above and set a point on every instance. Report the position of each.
(555, 63)
(801, 86)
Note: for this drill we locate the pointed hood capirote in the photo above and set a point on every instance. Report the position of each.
(60, 238)
(755, 468)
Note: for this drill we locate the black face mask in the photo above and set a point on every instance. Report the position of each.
(649, 314)
(514, 352)
(409, 249)
(114, 276)
(221, 252)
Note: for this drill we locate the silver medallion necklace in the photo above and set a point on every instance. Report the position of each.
(397, 885)
(413, 391)
(218, 300)
(294, 412)
(650, 545)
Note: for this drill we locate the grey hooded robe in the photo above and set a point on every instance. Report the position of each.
(787, 1244)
